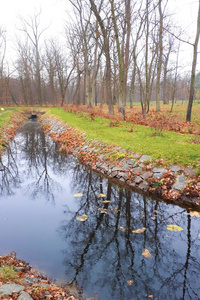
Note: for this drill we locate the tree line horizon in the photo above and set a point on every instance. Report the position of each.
(114, 52)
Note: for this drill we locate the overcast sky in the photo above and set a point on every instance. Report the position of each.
(54, 13)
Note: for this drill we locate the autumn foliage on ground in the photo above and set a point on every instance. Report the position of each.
(158, 121)
(8, 130)
(40, 288)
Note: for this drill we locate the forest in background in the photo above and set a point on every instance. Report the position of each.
(115, 52)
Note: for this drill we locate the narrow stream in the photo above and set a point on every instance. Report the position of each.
(38, 220)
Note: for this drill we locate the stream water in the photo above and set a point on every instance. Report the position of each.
(38, 220)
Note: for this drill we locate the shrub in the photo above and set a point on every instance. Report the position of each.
(8, 273)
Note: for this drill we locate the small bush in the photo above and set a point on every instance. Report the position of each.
(8, 273)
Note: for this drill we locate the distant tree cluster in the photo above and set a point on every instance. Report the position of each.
(115, 52)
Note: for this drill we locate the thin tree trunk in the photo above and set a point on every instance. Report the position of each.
(194, 63)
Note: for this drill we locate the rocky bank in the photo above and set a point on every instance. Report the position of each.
(137, 171)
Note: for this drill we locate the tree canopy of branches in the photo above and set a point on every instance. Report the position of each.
(113, 52)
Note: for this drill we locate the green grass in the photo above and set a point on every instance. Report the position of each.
(8, 274)
(173, 147)
(6, 114)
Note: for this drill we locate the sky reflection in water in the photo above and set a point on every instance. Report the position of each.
(38, 213)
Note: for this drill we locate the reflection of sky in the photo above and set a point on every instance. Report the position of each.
(96, 254)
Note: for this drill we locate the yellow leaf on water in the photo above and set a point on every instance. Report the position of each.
(102, 195)
(78, 195)
(199, 235)
(174, 227)
(106, 201)
(140, 230)
(146, 253)
(150, 296)
(195, 214)
(130, 282)
(82, 218)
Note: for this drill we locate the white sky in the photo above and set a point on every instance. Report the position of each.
(54, 13)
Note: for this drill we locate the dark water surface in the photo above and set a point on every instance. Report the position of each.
(38, 213)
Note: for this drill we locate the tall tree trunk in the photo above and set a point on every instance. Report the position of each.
(109, 97)
(194, 63)
(160, 52)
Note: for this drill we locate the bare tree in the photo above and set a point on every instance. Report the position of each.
(31, 28)
(106, 48)
(2, 60)
(160, 52)
(24, 67)
(122, 49)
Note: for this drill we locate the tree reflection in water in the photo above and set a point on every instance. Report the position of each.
(103, 254)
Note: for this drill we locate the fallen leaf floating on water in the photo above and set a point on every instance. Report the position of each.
(102, 195)
(146, 253)
(150, 296)
(123, 230)
(103, 210)
(195, 214)
(82, 218)
(130, 282)
(106, 201)
(140, 230)
(78, 195)
(199, 235)
(174, 227)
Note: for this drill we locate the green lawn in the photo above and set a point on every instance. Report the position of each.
(173, 147)
(6, 114)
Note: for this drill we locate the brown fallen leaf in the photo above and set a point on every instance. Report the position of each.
(130, 282)
(106, 201)
(122, 228)
(140, 230)
(82, 218)
(103, 211)
(146, 253)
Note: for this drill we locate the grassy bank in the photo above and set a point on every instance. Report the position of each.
(6, 114)
(9, 122)
(173, 147)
